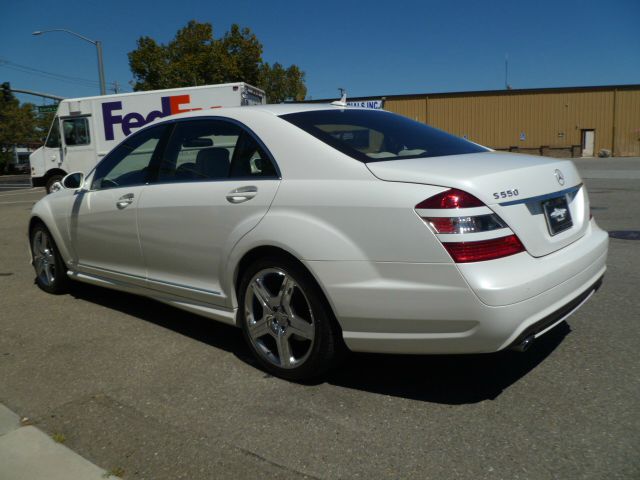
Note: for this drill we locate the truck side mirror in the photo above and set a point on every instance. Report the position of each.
(73, 181)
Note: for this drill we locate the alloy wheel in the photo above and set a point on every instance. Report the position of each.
(44, 258)
(279, 318)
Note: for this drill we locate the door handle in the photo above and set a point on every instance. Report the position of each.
(125, 200)
(242, 194)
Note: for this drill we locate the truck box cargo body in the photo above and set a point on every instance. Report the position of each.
(86, 129)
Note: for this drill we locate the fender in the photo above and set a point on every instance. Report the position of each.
(306, 237)
(42, 211)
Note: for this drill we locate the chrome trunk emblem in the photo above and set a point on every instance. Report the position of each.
(559, 214)
(559, 177)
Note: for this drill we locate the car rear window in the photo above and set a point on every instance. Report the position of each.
(373, 136)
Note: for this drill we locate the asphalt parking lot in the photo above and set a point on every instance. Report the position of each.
(14, 182)
(157, 393)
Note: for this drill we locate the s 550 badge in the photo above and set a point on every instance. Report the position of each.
(506, 194)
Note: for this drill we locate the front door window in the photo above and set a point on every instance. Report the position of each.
(129, 163)
(53, 139)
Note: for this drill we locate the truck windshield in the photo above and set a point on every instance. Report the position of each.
(373, 136)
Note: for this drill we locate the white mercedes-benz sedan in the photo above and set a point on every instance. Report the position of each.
(322, 228)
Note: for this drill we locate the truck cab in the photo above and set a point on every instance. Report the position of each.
(69, 147)
(86, 129)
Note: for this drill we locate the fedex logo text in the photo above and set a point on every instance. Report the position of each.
(134, 120)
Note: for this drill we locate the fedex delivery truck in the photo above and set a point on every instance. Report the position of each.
(85, 129)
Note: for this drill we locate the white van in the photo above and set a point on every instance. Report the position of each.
(85, 129)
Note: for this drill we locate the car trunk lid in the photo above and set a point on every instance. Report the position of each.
(531, 194)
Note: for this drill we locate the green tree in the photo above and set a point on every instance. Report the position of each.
(196, 57)
(18, 126)
(281, 83)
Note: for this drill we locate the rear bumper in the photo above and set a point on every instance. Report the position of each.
(544, 325)
(431, 308)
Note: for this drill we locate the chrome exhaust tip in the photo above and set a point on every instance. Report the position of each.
(524, 345)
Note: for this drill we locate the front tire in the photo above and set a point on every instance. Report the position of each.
(51, 272)
(53, 179)
(286, 321)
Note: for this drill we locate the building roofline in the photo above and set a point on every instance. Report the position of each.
(594, 88)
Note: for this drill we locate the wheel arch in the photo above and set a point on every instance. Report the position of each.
(40, 216)
(54, 171)
(33, 221)
(271, 250)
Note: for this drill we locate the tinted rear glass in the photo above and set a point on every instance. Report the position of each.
(374, 136)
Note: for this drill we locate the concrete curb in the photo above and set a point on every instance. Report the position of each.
(27, 453)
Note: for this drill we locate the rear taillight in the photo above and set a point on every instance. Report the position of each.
(452, 198)
(463, 252)
(471, 217)
(466, 224)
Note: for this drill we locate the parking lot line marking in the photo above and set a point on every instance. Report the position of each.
(24, 191)
(20, 201)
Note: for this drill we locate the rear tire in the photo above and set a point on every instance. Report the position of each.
(286, 321)
(51, 271)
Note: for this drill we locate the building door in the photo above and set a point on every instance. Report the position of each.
(588, 142)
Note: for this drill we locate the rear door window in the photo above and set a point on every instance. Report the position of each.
(212, 149)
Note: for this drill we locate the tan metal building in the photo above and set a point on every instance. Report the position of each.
(572, 121)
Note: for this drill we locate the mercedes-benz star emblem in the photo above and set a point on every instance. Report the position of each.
(559, 177)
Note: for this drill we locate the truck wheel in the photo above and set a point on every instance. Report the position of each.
(53, 179)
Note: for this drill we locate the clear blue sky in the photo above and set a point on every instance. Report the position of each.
(370, 48)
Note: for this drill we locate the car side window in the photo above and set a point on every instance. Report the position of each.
(76, 131)
(129, 163)
(199, 150)
(250, 160)
(212, 149)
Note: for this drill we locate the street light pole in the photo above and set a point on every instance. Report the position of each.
(103, 90)
(98, 45)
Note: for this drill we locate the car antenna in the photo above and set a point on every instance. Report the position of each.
(343, 98)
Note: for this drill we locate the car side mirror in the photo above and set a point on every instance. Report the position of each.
(73, 181)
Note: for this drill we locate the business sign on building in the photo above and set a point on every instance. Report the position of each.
(374, 104)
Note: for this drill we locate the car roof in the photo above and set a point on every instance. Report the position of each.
(274, 109)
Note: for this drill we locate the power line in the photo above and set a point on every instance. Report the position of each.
(50, 75)
(44, 72)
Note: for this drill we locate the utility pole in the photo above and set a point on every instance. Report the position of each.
(116, 87)
(506, 72)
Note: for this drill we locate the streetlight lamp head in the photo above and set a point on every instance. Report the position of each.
(97, 44)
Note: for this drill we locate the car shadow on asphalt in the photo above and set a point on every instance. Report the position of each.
(445, 379)
(216, 334)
